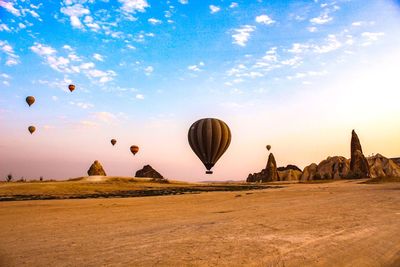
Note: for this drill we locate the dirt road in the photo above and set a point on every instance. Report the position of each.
(334, 224)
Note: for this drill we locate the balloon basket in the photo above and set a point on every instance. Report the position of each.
(209, 172)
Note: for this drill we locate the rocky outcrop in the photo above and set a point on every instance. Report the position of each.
(289, 175)
(271, 172)
(331, 168)
(96, 169)
(148, 172)
(380, 166)
(289, 167)
(309, 172)
(359, 167)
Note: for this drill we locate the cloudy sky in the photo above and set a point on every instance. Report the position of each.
(299, 75)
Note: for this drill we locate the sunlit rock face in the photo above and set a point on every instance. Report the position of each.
(359, 167)
(148, 172)
(96, 169)
(380, 166)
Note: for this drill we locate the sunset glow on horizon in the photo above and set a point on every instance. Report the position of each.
(298, 75)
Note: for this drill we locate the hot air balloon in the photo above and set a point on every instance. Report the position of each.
(268, 147)
(134, 149)
(31, 129)
(209, 139)
(71, 87)
(113, 141)
(30, 100)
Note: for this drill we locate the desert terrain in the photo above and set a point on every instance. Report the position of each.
(342, 223)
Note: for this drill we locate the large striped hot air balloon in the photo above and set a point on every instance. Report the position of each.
(209, 139)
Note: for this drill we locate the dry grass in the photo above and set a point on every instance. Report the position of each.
(95, 187)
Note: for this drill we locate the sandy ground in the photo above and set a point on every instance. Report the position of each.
(334, 224)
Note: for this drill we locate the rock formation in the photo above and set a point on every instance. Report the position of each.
(96, 169)
(268, 174)
(358, 163)
(271, 172)
(379, 166)
(309, 172)
(148, 172)
(289, 175)
(289, 167)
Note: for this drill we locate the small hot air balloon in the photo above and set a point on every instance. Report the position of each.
(31, 129)
(134, 149)
(113, 141)
(268, 147)
(209, 139)
(30, 100)
(71, 87)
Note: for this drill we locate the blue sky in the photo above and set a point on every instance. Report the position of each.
(144, 68)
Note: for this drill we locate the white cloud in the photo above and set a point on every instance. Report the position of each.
(312, 29)
(87, 65)
(42, 50)
(82, 105)
(372, 36)
(196, 67)
(242, 34)
(75, 12)
(67, 47)
(322, 19)
(140, 96)
(214, 9)
(10, 8)
(148, 70)
(98, 57)
(103, 76)
(12, 58)
(133, 6)
(264, 19)
(54, 98)
(357, 23)
(21, 25)
(332, 43)
(154, 21)
(184, 2)
(233, 5)
(4, 27)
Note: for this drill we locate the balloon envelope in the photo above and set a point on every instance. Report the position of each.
(71, 87)
(134, 149)
(209, 138)
(113, 141)
(31, 129)
(268, 147)
(30, 100)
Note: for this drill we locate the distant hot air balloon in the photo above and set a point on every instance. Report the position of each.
(268, 147)
(113, 141)
(134, 149)
(209, 139)
(30, 100)
(31, 129)
(71, 87)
